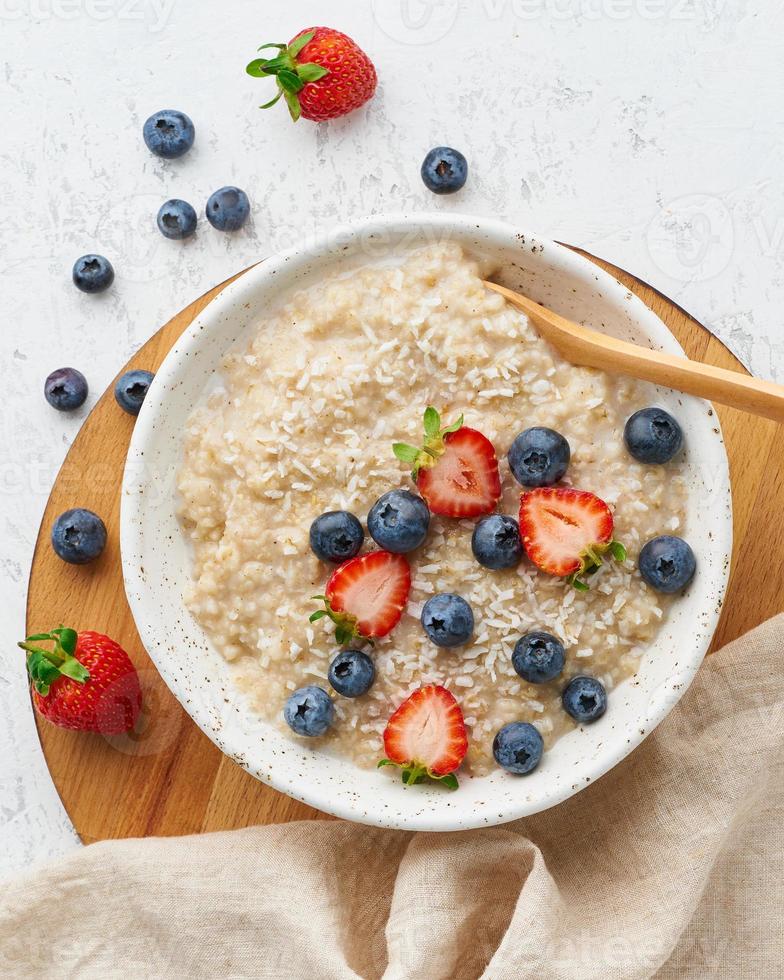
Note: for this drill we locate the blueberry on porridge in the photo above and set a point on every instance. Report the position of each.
(309, 444)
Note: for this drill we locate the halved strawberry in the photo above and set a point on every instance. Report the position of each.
(456, 470)
(426, 737)
(365, 596)
(565, 532)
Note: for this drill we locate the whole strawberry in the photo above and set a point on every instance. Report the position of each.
(84, 681)
(321, 74)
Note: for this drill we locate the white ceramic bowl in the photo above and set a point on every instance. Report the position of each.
(156, 561)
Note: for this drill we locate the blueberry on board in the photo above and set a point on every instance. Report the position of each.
(444, 170)
(228, 209)
(496, 542)
(78, 536)
(652, 435)
(667, 563)
(309, 711)
(538, 657)
(92, 273)
(539, 457)
(518, 747)
(336, 536)
(351, 673)
(65, 389)
(169, 133)
(131, 390)
(176, 219)
(448, 619)
(584, 698)
(398, 521)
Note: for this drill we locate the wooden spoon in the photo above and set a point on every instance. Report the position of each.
(587, 347)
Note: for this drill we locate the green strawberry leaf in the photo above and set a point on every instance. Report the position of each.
(295, 110)
(272, 102)
(280, 47)
(256, 68)
(311, 72)
(450, 781)
(432, 422)
(67, 640)
(73, 669)
(618, 551)
(385, 762)
(290, 81)
(317, 615)
(405, 453)
(453, 427)
(297, 45)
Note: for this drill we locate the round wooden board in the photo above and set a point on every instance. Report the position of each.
(171, 779)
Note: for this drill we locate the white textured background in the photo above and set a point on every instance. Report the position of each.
(647, 131)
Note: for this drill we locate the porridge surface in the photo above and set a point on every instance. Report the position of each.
(304, 424)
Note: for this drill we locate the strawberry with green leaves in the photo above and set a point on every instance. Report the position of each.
(83, 681)
(321, 74)
(455, 469)
(426, 737)
(566, 532)
(365, 596)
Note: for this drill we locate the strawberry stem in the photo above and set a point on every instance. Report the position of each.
(45, 666)
(416, 772)
(433, 446)
(290, 76)
(346, 631)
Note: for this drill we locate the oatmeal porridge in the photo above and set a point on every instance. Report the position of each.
(304, 423)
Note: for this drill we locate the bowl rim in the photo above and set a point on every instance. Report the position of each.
(133, 504)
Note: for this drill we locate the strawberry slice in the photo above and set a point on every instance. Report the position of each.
(565, 532)
(365, 596)
(456, 470)
(426, 737)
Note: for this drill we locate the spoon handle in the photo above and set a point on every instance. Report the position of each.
(590, 348)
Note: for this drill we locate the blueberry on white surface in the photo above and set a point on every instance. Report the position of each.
(667, 563)
(176, 219)
(539, 457)
(518, 747)
(228, 209)
(448, 619)
(351, 673)
(309, 711)
(92, 273)
(652, 435)
(538, 657)
(444, 170)
(78, 536)
(584, 698)
(65, 389)
(336, 536)
(496, 542)
(131, 390)
(169, 133)
(398, 521)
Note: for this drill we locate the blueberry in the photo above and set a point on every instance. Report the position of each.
(667, 563)
(309, 711)
(228, 209)
(93, 273)
(652, 435)
(448, 619)
(169, 133)
(538, 657)
(336, 536)
(496, 542)
(351, 673)
(131, 390)
(518, 747)
(65, 389)
(444, 170)
(539, 457)
(176, 219)
(584, 698)
(398, 521)
(78, 536)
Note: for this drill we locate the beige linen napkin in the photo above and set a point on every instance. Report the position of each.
(670, 866)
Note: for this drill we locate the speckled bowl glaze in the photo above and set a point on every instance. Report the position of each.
(156, 562)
